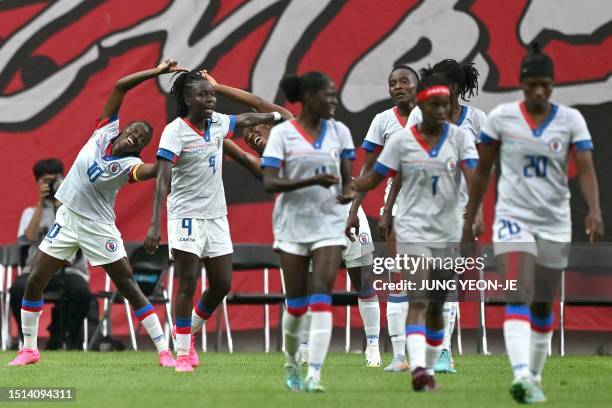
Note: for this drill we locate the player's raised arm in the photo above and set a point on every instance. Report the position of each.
(142, 172)
(123, 86)
(247, 98)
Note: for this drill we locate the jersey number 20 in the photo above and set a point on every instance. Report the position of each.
(536, 166)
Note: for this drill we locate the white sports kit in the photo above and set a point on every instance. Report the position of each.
(86, 218)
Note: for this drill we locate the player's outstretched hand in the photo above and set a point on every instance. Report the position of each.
(385, 224)
(352, 222)
(152, 240)
(209, 77)
(325, 180)
(594, 227)
(169, 66)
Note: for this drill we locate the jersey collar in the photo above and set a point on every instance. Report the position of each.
(538, 130)
(399, 118)
(462, 115)
(431, 151)
(315, 143)
(206, 133)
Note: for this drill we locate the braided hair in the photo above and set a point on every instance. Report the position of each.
(430, 78)
(184, 81)
(464, 75)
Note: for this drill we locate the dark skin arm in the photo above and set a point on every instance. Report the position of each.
(590, 191)
(273, 183)
(123, 86)
(477, 184)
(367, 182)
(346, 171)
(253, 119)
(353, 220)
(146, 171)
(164, 173)
(246, 160)
(246, 98)
(385, 224)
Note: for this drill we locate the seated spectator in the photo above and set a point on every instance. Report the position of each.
(74, 280)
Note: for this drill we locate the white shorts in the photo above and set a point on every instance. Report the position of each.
(305, 248)
(363, 245)
(101, 243)
(203, 238)
(510, 235)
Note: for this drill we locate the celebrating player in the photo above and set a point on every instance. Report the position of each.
(403, 82)
(532, 229)
(86, 219)
(314, 153)
(358, 253)
(462, 79)
(190, 158)
(427, 158)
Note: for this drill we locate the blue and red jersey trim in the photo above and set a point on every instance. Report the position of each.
(100, 123)
(469, 163)
(268, 161)
(371, 146)
(232, 126)
(167, 155)
(431, 151)
(486, 139)
(384, 170)
(583, 145)
(348, 154)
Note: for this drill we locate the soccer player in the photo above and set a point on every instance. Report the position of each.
(532, 228)
(190, 158)
(428, 158)
(462, 79)
(308, 161)
(86, 219)
(358, 254)
(403, 82)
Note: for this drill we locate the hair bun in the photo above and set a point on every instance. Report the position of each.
(290, 84)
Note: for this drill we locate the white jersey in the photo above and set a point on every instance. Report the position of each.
(309, 214)
(91, 186)
(427, 203)
(533, 185)
(471, 120)
(197, 186)
(383, 126)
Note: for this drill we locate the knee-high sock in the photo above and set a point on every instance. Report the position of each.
(293, 320)
(149, 319)
(369, 309)
(199, 315)
(397, 311)
(30, 315)
(434, 340)
(320, 333)
(517, 336)
(541, 334)
(416, 345)
(449, 313)
(183, 335)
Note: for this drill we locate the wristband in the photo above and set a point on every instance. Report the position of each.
(277, 116)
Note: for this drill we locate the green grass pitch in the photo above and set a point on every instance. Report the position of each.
(130, 379)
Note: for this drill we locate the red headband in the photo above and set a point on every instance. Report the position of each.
(432, 91)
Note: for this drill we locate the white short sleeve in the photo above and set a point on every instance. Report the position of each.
(580, 137)
(347, 147)
(490, 132)
(468, 154)
(170, 143)
(388, 162)
(228, 124)
(274, 153)
(24, 221)
(375, 138)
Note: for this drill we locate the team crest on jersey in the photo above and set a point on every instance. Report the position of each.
(111, 245)
(114, 168)
(364, 238)
(556, 145)
(451, 165)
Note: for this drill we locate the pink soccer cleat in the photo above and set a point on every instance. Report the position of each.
(193, 354)
(183, 364)
(166, 360)
(24, 357)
